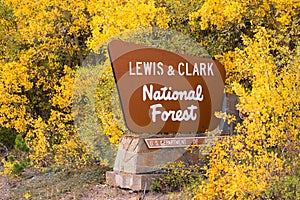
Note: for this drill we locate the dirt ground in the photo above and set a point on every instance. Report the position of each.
(5, 188)
(82, 184)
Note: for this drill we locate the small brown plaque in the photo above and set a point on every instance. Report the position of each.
(163, 91)
(178, 141)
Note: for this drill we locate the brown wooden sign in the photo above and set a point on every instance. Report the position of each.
(163, 91)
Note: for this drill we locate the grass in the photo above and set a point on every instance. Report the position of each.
(71, 184)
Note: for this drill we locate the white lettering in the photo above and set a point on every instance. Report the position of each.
(187, 73)
(160, 70)
(179, 69)
(148, 93)
(146, 68)
(138, 68)
(175, 115)
(198, 69)
(202, 69)
(166, 93)
(154, 111)
(131, 73)
(209, 69)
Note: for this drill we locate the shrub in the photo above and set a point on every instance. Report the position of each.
(177, 176)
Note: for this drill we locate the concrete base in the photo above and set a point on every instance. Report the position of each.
(135, 182)
(135, 157)
(136, 165)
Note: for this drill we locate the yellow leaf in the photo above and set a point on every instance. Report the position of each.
(27, 195)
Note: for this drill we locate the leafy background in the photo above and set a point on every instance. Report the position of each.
(44, 43)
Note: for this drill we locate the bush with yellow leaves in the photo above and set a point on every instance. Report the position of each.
(262, 67)
(42, 45)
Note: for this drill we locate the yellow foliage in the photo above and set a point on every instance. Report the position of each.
(113, 17)
(110, 127)
(42, 45)
(108, 109)
(27, 195)
(278, 13)
(8, 167)
(63, 96)
(264, 73)
(12, 102)
(229, 117)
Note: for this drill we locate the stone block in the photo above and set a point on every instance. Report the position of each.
(135, 182)
(135, 157)
(136, 164)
